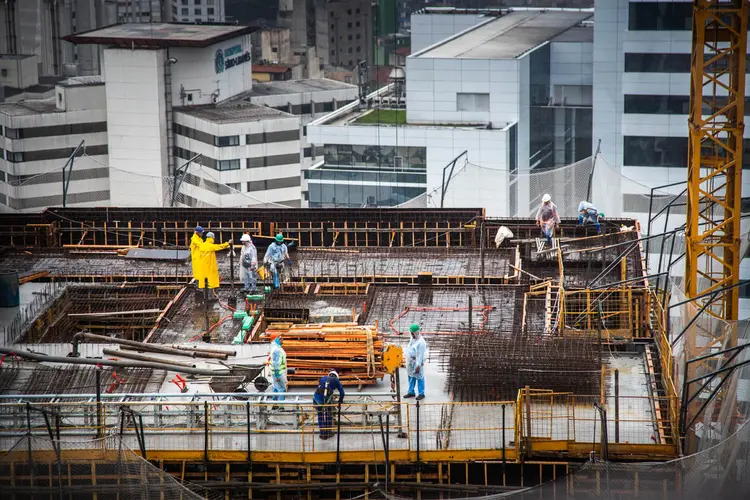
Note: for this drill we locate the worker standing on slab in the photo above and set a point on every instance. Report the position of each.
(195, 245)
(278, 368)
(208, 265)
(276, 255)
(547, 218)
(415, 362)
(588, 215)
(249, 264)
(323, 401)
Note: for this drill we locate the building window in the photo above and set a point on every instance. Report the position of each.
(351, 63)
(210, 11)
(347, 79)
(184, 2)
(660, 16)
(197, 2)
(654, 151)
(285, 182)
(351, 50)
(59, 99)
(333, 27)
(349, 12)
(472, 102)
(227, 140)
(348, 25)
(228, 165)
(357, 24)
(14, 157)
(359, 36)
(274, 49)
(3, 72)
(185, 11)
(185, 20)
(667, 63)
(333, 39)
(13, 133)
(356, 11)
(198, 11)
(237, 186)
(209, 2)
(174, 10)
(359, 49)
(350, 37)
(333, 52)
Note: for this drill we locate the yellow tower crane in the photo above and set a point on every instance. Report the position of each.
(716, 122)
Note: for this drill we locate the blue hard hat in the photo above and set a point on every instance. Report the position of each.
(198, 229)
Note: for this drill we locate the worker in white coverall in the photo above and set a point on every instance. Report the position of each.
(278, 368)
(249, 264)
(415, 352)
(547, 218)
(276, 255)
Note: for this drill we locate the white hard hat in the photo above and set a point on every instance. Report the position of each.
(333, 373)
(546, 198)
(245, 237)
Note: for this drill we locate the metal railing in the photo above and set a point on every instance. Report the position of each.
(372, 426)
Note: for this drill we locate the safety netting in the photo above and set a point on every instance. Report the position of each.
(41, 467)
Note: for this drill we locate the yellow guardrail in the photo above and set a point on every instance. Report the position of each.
(540, 420)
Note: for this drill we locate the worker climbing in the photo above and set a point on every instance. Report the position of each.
(415, 352)
(547, 218)
(195, 244)
(249, 264)
(588, 215)
(209, 268)
(323, 401)
(277, 364)
(276, 255)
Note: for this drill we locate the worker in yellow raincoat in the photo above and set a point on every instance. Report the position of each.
(195, 245)
(208, 266)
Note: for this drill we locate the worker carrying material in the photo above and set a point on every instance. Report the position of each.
(323, 401)
(195, 244)
(276, 255)
(277, 364)
(249, 264)
(547, 218)
(588, 215)
(415, 352)
(208, 265)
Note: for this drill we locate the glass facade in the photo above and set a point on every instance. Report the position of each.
(375, 156)
(669, 104)
(641, 151)
(660, 16)
(342, 190)
(666, 63)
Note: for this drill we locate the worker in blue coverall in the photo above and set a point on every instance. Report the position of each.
(276, 254)
(278, 368)
(588, 214)
(415, 362)
(323, 400)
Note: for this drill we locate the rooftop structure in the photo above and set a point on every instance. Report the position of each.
(507, 37)
(160, 35)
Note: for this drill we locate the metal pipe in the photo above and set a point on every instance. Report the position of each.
(108, 362)
(183, 352)
(139, 357)
(145, 347)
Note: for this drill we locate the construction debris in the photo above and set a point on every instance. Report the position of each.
(313, 350)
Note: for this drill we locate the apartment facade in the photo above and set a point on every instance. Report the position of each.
(192, 11)
(38, 137)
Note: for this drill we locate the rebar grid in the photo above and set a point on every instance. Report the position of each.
(393, 262)
(127, 311)
(494, 366)
(446, 310)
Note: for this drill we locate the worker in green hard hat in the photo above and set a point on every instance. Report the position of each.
(415, 352)
(276, 255)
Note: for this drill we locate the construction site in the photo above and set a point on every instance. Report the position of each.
(542, 361)
(581, 365)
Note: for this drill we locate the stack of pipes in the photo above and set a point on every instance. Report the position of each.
(354, 351)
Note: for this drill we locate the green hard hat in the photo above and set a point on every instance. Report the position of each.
(280, 238)
(414, 328)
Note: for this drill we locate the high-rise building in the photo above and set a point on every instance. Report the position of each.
(193, 11)
(341, 30)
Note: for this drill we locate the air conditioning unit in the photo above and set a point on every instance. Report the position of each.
(398, 162)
